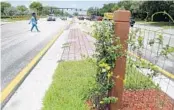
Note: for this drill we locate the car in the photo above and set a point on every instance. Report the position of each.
(81, 18)
(99, 18)
(70, 16)
(132, 21)
(63, 18)
(88, 18)
(51, 17)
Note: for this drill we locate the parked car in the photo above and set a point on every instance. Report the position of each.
(132, 21)
(51, 17)
(63, 17)
(81, 18)
(88, 18)
(93, 17)
(99, 18)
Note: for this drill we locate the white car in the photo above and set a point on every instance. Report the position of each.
(51, 17)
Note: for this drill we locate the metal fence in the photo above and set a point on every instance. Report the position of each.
(150, 67)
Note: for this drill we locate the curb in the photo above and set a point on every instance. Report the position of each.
(10, 89)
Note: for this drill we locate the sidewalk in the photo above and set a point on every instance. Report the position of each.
(78, 44)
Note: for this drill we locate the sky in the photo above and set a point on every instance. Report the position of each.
(84, 5)
(63, 4)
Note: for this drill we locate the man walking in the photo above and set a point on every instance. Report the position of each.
(34, 22)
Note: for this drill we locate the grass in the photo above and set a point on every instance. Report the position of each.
(70, 87)
(15, 19)
(165, 25)
(136, 80)
(73, 80)
(19, 18)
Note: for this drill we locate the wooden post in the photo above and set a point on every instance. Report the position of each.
(121, 28)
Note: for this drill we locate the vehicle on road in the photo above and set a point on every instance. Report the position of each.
(88, 18)
(95, 18)
(51, 17)
(108, 16)
(99, 18)
(81, 18)
(132, 21)
(63, 18)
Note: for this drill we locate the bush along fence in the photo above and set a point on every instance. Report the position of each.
(126, 79)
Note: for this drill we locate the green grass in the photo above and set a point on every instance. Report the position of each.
(136, 80)
(165, 25)
(19, 18)
(15, 19)
(70, 87)
(73, 80)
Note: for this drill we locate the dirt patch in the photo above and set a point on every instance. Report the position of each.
(146, 100)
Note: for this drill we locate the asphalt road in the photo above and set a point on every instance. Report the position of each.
(19, 45)
(150, 52)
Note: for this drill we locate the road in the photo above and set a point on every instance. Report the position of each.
(150, 52)
(19, 45)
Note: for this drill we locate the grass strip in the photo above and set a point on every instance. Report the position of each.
(70, 87)
(73, 80)
(135, 80)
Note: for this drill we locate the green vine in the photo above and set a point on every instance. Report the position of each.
(106, 55)
(136, 44)
(108, 51)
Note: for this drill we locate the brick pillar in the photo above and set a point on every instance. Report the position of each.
(122, 24)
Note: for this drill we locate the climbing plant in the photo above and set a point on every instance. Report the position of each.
(107, 52)
(137, 44)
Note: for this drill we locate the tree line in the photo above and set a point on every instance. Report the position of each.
(8, 10)
(142, 10)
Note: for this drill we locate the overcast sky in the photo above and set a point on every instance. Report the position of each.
(63, 4)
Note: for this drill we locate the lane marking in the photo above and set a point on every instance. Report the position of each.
(166, 73)
(11, 86)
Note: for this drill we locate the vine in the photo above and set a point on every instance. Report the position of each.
(136, 44)
(108, 51)
(106, 55)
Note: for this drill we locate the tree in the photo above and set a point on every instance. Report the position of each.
(171, 10)
(157, 6)
(11, 11)
(115, 7)
(3, 6)
(91, 11)
(75, 13)
(36, 6)
(23, 9)
(66, 14)
(46, 10)
(126, 4)
(107, 8)
(56, 11)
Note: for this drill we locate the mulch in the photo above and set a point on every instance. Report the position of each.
(151, 99)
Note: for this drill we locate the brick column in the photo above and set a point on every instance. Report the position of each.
(122, 24)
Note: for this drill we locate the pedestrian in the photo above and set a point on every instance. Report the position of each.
(34, 22)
